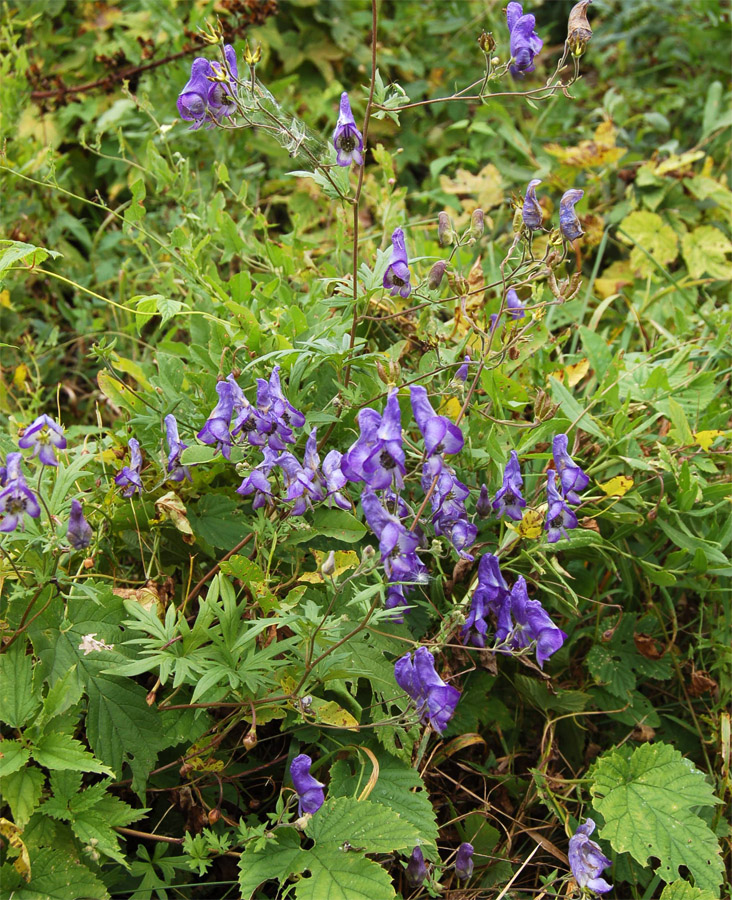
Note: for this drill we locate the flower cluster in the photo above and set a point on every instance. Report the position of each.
(209, 94)
(587, 860)
(435, 700)
(572, 479)
(520, 622)
(525, 42)
(532, 214)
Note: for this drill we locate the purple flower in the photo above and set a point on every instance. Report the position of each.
(531, 212)
(435, 700)
(416, 868)
(221, 93)
(257, 482)
(347, 139)
(43, 435)
(523, 622)
(16, 498)
(79, 532)
(335, 479)
(398, 545)
(395, 599)
(439, 433)
(569, 223)
(462, 372)
(129, 476)
(377, 457)
(216, 428)
(572, 477)
(509, 501)
(587, 860)
(491, 595)
(303, 483)
(309, 790)
(525, 42)
(483, 506)
(275, 416)
(449, 515)
(514, 306)
(464, 860)
(176, 472)
(559, 516)
(397, 275)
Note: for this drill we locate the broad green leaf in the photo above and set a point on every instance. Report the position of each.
(375, 828)
(61, 751)
(339, 875)
(705, 251)
(337, 524)
(219, 520)
(682, 890)
(13, 756)
(54, 876)
(649, 231)
(278, 859)
(12, 252)
(22, 792)
(648, 800)
(18, 703)
(572, 409)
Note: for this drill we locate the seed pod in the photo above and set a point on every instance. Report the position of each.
(328, 568)
(434, 279)
(578, 29)
(477, 224)
(381, 370)
(445, 233)
(487, 42)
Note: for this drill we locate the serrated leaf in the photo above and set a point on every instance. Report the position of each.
(22, 792)
(340, 875)
(13, 756)
(16, 676)
(278, 859)
(649, 231)
(371, 826)
(682, 890)
(705, 251)
(54, 876)
(61, 751)
(648, 801)
(705, 439)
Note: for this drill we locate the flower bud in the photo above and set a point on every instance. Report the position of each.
(578, 29)
(416, 868)
(328, 568)
(249, 741)
(445, 234)
(477, 224)
(381, 371)
(213, 816)
(487, 42)
(434, 279)
(367, 554)
(483, 506)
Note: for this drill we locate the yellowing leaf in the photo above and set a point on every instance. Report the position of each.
(203, 760)
(451, 408)
(705, 251)
(531, 525)
(5, 299)
(170, 506)
(678, 164)
(705, 439)
(344, 560)
(11, 832)
(614, 278)
(649, 231)
(600, 151)
(20, 376)
(485, 189)
(574, 373)
(617, 486)
(330, 713)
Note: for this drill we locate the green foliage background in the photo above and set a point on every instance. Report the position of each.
(140, 261)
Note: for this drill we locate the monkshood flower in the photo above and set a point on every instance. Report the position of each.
(531, 211)
(462, 372)
(129, 476)
(347, 139)
(450, 517)
(309, 790)
(435, 700)
(395, 599)
(587, 860)
(559, 516)
(3, 475)
(525, 42)
(464, 860)
(397, 275)
(483, 506)
(216, 429)
(439, 433)
(569, 223)
(176, 472)
(491, 595)
(303, 484)
(16, 498)
(398, 545)
(79, 533)
(276, 416)
(514, 307)
(43, 435)
(258, 483)
(377, 457)
(509, 500)
(221, 93)
(416, 868)
(335, 479)
(572, 477)
(523, 622)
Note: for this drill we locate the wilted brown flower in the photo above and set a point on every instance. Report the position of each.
(578, 28)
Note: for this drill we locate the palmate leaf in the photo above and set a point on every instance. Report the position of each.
(682, 890)
(648, 800)
(278, 859)
(16, 674)
(54, 876)
(338, 875)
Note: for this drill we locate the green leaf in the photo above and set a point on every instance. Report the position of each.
(13, 756)
(338, 875)
(336, 524)
(682, 890)
(649, 231)
(219, 520)
(648, 799)
(278, 859)
(375, 828)
(54, 876)
(22, 792)
(705, 251)
(572, 409)
(16, 675)
(198, 453)
(61, 751)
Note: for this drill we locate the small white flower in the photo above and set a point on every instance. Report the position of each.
(89, 643)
